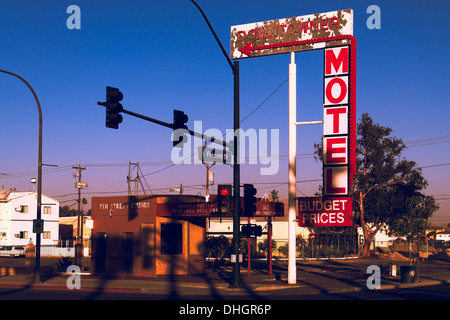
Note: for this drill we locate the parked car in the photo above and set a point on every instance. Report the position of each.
(12, 251)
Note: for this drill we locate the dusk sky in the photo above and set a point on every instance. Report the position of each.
(162, 56)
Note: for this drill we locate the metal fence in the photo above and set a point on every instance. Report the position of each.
(329, 247)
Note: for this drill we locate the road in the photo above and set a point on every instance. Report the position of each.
(437, 292)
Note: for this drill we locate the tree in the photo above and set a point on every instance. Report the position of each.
(284, 249)
(65, 211)
(386, 186)
(263, 245)
(411, 219)
(274, 195)
(217, 246)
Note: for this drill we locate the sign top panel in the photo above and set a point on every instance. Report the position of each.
(282, 35)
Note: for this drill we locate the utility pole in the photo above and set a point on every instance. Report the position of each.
(79, 241)
(136, 180)
(208, 166)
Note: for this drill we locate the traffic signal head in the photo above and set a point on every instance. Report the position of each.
(113, 107)
(249, 200)
(251, 230)
(179, 122)
(224, 199)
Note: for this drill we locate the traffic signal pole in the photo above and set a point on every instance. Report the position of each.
(236, 169)
(171, 126)
(236, 180)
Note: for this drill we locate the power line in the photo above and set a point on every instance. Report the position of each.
(435, 165)
(428, 139)
(265, 100)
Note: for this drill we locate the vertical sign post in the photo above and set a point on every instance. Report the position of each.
(292, 268)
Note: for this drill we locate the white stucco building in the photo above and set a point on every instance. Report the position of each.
(17, 211)
(443, 236)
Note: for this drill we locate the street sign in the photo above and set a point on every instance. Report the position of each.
(197, 209)
(325, 212)
(290, 34)
(214, 155)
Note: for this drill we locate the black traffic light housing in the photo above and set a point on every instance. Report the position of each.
(249, 200)
(179, 122)
(113, 107)
(224, 199)
(251, 230)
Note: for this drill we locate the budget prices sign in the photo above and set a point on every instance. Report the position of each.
(325, 212)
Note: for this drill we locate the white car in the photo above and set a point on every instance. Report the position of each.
(12, 251)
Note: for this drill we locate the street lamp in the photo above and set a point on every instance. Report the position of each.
(39, 179)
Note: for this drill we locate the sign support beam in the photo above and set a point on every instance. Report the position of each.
(292, 267)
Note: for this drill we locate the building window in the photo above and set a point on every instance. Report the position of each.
(21, 235)
(22, 209)
(46, 235)
(47, 210)
(171, 238)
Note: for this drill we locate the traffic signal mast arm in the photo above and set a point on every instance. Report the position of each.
(171, 126)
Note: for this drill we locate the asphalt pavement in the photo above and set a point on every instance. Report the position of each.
(313, 277)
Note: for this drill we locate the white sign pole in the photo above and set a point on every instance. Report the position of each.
(292, 267)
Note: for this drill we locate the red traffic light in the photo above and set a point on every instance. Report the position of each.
(224, 199)
(224, 192)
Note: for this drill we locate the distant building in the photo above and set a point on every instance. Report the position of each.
(68, 231)
(443, 236)
(17, 211)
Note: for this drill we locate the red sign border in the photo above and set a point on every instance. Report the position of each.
(348, 213)
(351, 111)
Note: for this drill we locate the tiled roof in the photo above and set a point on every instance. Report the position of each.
(4, 194)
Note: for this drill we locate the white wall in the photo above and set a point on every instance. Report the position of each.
(13, 222)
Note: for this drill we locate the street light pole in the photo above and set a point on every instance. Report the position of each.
(39, 181)
(236, 166)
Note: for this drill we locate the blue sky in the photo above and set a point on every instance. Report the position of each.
(162, 56)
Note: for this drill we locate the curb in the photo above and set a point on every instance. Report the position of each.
(255, 283)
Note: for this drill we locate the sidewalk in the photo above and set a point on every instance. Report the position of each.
(328, 276)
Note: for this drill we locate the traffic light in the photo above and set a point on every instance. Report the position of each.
(224, 199)
(113, 107)
(179, 122)
(249, 200)
(251, 230)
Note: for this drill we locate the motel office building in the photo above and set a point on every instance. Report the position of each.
(155, 235)
(147, 235)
